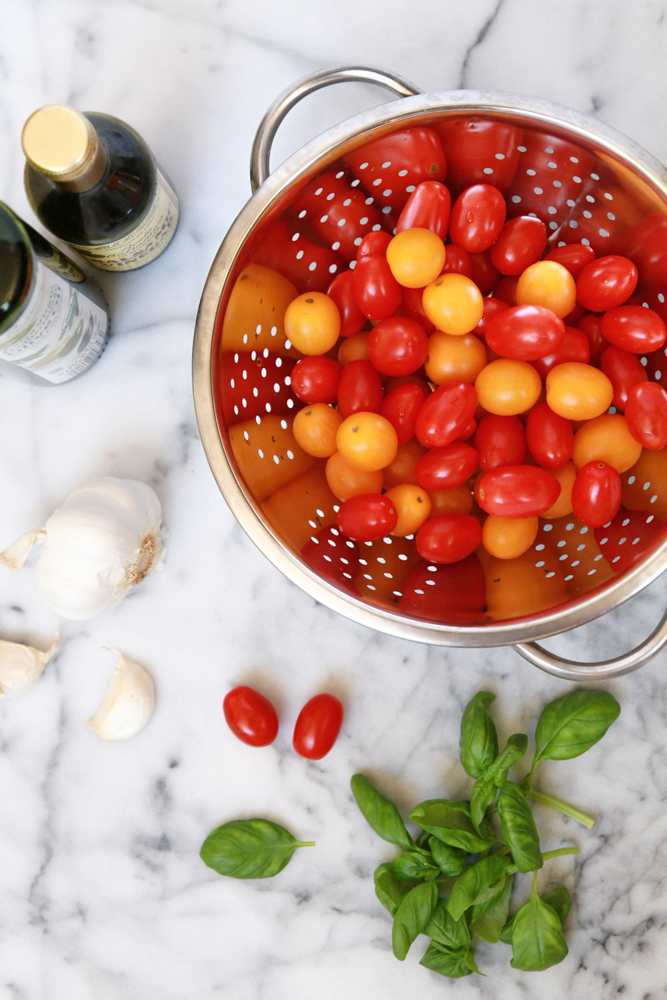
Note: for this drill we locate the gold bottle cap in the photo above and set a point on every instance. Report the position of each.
(60, 142)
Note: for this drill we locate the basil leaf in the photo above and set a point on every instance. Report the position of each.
(559, 900)
(506, 934)
(389, 890)
(470, 962)
(450, 822)
(518, 828)
(447, 962)
(573, 724)
(413, 865)
(412, 917)
(537, 938)
(514, 750)
(423, 839)
(445, 930)
(478, 883)
(483, 793)
(381, 814)
(250, 848)
(450, 860)
(489, 918)
(479, 740)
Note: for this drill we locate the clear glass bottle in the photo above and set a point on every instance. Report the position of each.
(94, 183)
(53, 320)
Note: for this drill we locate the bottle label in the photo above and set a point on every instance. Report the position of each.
(61, 331)
(146, 242)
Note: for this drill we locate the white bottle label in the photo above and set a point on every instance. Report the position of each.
(146, 242)
(60, 333)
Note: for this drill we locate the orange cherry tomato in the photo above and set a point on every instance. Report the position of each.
(315, 429)
(508, 387)
(402, 467)
(458, 500)
(367, 441)
(606, 439)
(453, 303)
(345, 481)
(413, 506)
(578, 391)
(416, 257)
(454, 359)
(312, 323)
(508, 537)
(354, 348)
(523, 586)
(547, 283)
(566, 476)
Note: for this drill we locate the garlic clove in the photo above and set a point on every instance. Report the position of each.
(128, 704)
(17, 553)
(21, 666)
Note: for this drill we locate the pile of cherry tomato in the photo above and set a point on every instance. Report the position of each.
(512, 390)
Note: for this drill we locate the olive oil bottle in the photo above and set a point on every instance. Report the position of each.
(94, 183)
(53, 320)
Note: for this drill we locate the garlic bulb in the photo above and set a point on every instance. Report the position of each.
(128, 703)
(21, 666)
(102, 541)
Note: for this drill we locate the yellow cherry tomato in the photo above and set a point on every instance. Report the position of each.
(453, 303)
(508, 387)
(457, 500)
(578, 391)
(566, 476)
(345, 481)
(354, 348)
(315, 429)
(508, 537)
(454, 359)
(367, 441)
(548, 284)
(312, 323)
(416, 257)
(606, 439)
(413, 506)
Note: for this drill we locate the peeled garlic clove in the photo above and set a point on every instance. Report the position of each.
(128, 703)
(21, 666)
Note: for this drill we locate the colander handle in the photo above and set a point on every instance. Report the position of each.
(573, 671)
(261, 147)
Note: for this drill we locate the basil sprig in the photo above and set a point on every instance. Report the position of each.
(250, 848)
(455, 878)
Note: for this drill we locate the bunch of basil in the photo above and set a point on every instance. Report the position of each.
(455, 879)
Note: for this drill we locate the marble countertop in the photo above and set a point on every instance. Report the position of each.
(102, 892)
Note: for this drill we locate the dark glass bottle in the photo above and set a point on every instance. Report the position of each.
(94, 183)
(53, 320)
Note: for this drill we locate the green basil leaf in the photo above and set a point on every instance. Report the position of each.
(514, 750)
(447, 962)
(489, 918)
(537, 938)
(483, 793)
(559, 900)
(412, 917)
(518, 828)
(479, 740)
(450, 822)
(381, 814)
(413, 865)
(506, 934)
(390, 890)
(445, 930)
(450, 860)
(574, 723)
(470, 962)
(249, 848)
(478, 883)
(423, 839)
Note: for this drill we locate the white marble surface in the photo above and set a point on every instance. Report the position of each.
(102, 893)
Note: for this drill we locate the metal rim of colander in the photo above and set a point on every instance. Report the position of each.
(312, 158)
